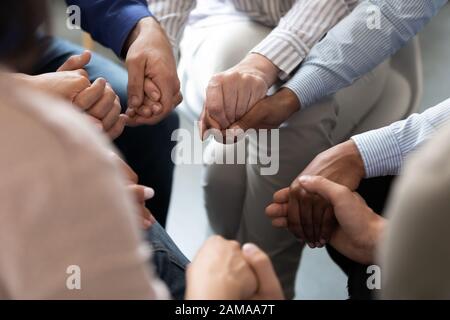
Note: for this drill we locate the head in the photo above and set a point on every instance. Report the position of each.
(19, 24)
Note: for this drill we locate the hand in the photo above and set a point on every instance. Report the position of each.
(360, 229)
(269, 287)
(67, 82)
(98, 100)
(220, 272)
(311, 218)
(230, 94)
(268, 113)
(140, 193)
(101, 102)
(153, 85)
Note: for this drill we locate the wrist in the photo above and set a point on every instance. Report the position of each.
(261, 66)
(350, 152)
(376, 227)
(143, 26)
(288, 99)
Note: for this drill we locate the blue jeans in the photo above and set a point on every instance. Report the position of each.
(169, 261)
(147, 149)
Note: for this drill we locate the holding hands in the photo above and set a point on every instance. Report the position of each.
(153, 85)
(223, 271)
(311, 217)
(232, 93)
(359, 229)
(97, 100)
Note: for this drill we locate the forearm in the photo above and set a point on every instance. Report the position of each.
(173, 16)
(299, 30)
(362, 248)
(384, 150)
(110, 21)
(351, 49)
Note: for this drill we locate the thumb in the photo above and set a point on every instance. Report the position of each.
(253, 119)
(327, 189)
(76, 62)
(269, 286)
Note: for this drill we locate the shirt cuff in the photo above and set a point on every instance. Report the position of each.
(380, 152)
(125, 22)
(284, 49)
(307, 86)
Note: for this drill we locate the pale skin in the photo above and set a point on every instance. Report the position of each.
(97, 100)
(139, 192)
(222, 270)
(359, 230)
(231, 94)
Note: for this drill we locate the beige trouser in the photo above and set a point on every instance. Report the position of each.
(236, 195)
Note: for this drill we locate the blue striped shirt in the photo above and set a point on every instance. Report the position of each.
(384, 150)
(353, 48)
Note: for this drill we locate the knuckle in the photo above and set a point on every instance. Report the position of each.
(216, 80)
(234, 244)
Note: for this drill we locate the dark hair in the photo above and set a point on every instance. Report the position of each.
(19, 24)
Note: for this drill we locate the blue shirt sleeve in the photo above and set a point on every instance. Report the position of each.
(110, 21)
(355, 46)
(385, 150)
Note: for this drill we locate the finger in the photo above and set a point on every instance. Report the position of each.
(269, 285)
(103, 106)
(318, 208)
(155, 107)
(125, 168)
(95, 122)
(118, 127)
(280, 223)
(75, 62)
(202, 125)
(89, 96)
(130, 112)
(146, 109)
(136, 76)
(208, 125)
(328, 224)
(82, 73)
(230, 97)
(258, 92)
(281, 196)
(293, 219)
(306, 216)
(277, 210)
(215, 105)
(243, 100)
(253, 119)
(147, 219)
(113, 116)
(329, 190)
(151, 90)
(141, 193)
(178, 99)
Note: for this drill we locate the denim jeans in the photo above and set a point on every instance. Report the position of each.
(169, 261)
(147, 149)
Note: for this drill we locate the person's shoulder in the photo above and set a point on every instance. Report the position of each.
(39, 128)
(42, 135)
